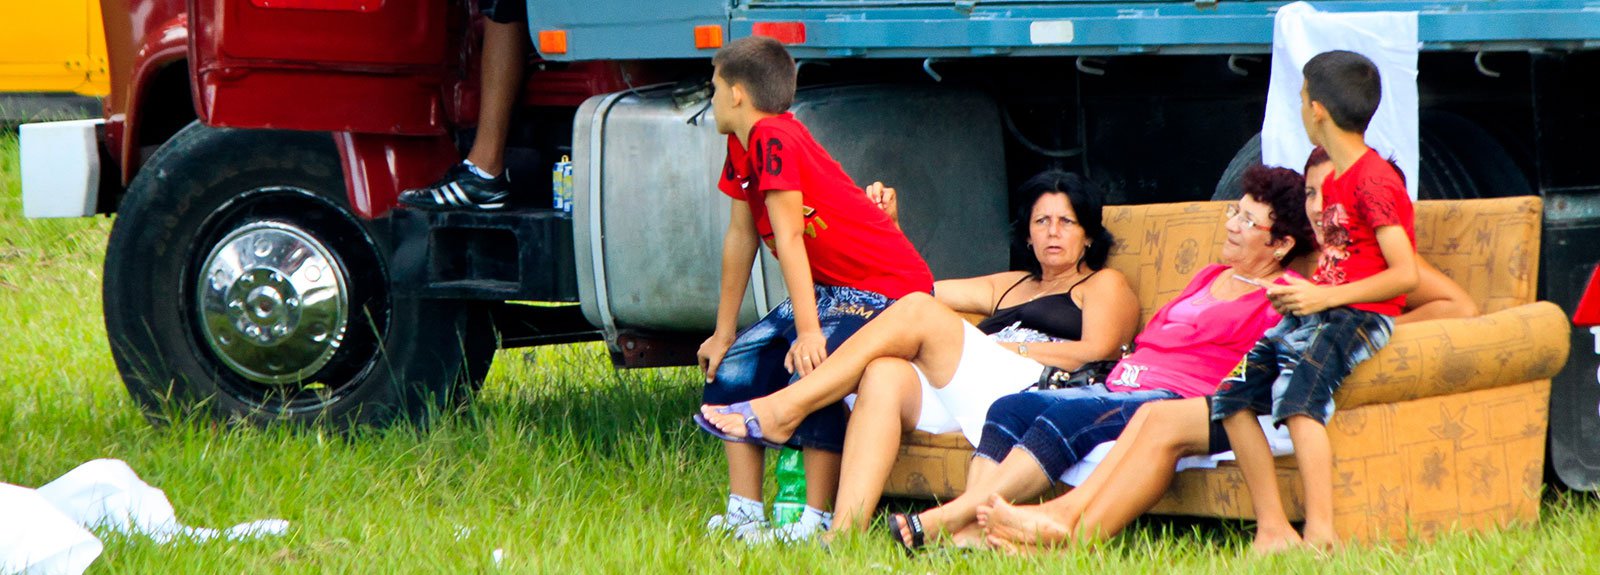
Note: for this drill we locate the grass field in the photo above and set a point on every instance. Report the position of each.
(563, 463)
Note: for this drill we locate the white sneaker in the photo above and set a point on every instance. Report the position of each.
(741, 527)
(810, 525)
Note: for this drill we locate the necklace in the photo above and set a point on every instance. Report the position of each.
(1053, 284)
(1239, 285)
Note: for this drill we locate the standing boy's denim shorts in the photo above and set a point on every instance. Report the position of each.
(753, 366)
(1297, 365)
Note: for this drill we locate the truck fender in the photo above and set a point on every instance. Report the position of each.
(165, 47)
(378, 166)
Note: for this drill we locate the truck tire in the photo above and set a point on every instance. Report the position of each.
(239, 286)
(1460, 160)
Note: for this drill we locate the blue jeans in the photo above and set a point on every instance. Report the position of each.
(753, 366)
(1297, 365)
(1059, 427)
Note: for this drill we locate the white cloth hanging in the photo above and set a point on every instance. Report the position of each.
(1389, 39)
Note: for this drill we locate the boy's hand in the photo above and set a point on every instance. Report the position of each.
(807, 353)
(1300, 297)
(711, 353)
(886, 200)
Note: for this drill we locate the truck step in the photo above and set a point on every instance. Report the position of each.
(516, 254)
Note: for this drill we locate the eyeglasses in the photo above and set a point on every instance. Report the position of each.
(1234, 211)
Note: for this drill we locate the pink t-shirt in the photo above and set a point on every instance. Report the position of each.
(1195, 340)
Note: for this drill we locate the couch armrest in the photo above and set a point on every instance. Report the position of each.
(1440, 357)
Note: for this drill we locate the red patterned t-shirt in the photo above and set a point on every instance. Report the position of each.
(1355, 204)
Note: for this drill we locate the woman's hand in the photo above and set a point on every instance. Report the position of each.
(808, 351)
(886, 199)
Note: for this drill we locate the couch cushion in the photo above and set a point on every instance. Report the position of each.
(1490, 247)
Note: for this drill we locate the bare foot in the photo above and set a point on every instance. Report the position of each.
(774, 428)
(969, 537)
(1018, 526)
(1321, 537)
(1009, 548)
(1270, 541)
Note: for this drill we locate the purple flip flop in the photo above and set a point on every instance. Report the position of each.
(752, 426)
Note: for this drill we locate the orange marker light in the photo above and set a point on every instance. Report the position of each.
(708, 36)
(785, 32)
(552, 41)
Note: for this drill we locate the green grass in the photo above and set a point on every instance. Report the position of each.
(562, 462)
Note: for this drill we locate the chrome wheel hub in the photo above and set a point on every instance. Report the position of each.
(274, 302)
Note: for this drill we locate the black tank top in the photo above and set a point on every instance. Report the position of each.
(1055, 315)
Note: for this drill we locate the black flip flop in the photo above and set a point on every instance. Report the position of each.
(913, 523)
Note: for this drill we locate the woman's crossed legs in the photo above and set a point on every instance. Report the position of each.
(917, 329)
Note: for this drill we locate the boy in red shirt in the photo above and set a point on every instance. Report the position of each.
(1367, 264)
(843, 262)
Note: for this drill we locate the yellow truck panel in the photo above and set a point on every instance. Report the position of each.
(56, 46)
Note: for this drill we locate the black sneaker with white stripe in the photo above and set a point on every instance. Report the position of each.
(461, 189)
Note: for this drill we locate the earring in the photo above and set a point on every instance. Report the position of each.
(1277, 255)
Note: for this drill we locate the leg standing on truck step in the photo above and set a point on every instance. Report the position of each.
(480, 181)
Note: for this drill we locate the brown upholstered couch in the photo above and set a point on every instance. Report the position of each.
(1444, 429)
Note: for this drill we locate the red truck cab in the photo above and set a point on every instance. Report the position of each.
(253, 150)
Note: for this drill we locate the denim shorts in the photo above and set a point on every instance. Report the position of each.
(504, 11)
(753, 366)
(1297, 365)
(1059, 427)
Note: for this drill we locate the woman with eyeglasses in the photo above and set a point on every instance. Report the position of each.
(1029, 440)
(1142, 463)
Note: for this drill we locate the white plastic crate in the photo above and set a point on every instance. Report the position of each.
(60, 168)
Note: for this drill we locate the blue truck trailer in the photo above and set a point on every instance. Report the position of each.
(1157, 101)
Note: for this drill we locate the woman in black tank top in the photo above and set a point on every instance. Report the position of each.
(1064, 310)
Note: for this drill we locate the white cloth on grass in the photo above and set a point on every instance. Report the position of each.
(43, 530)
(37, 539)
(1277, 439)
(1389, 39)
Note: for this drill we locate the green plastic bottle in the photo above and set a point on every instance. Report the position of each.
(791, 499)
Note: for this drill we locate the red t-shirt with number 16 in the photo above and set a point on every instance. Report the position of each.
(849, 241)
